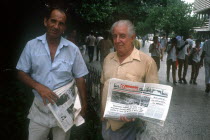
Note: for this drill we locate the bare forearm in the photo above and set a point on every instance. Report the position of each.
(26, 79)
(43, 91)
(80, 82)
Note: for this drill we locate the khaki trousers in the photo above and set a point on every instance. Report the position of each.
(40, 132)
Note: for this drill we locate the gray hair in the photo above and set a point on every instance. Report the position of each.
(131, 28)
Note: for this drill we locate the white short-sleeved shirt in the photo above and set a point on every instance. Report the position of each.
(155, 51)
(171, 54)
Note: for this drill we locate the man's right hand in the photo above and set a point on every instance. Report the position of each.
(46, 94)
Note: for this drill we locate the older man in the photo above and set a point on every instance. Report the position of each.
(47, 63)
(126, 63)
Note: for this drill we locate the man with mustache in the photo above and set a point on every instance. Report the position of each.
(47, 63)
(126, 63)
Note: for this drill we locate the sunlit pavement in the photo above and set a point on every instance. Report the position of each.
(189, 113)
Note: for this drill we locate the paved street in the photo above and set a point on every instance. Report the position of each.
(189, 113)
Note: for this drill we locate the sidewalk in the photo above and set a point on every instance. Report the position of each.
(189, 113)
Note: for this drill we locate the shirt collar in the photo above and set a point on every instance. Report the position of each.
(135, 55)
(63, 41)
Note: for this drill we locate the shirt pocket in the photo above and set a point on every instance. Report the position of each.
(134, 78)
(62, 66)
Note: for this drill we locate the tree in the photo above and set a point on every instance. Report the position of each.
(175, 17)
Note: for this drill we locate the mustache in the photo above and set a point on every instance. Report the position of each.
(54, 30)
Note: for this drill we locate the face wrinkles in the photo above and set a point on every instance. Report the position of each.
(122, 40)
(55, 24)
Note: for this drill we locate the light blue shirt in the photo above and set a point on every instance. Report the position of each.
(68, 63)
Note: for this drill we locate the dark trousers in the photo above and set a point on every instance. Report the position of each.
(157, 61)
(173, 64)
(181, 63)
(195, 70)
(90, 53)
(185, 66)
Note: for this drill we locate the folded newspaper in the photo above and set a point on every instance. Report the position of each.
(67, 108)
(147, 101)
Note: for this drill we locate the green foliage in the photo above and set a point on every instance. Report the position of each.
(143, 28)
(149, 16)
(95, 11)
(175, 17)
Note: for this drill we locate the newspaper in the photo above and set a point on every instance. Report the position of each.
(67, 108)
(147, 101)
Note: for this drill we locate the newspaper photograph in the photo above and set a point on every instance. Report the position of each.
(147, 101)
(63, 109)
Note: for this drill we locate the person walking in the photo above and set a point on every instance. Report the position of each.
(137, 44)
(98, 39)
(182, 49)
(195, 53)
(163, 42)
(105, 45)
(155, 50)
(91, 42)
(49, 62)
(187, 51)
(171, 59)
(205, 58)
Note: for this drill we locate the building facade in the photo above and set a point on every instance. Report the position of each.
(202, 8)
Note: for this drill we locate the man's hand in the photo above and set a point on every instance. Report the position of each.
(122, 118)
(84, 111)
(46, 94)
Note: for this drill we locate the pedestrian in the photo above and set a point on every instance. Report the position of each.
(137, 44)
(171, 59)
(127, 63)
(155, 50)
(163, 42)
(195, 53)
(105, 45)
(206, 58)
(47, 63)
(182, 50)
(91, 42)
(187, 51)
(98, 39)
(143, 40)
